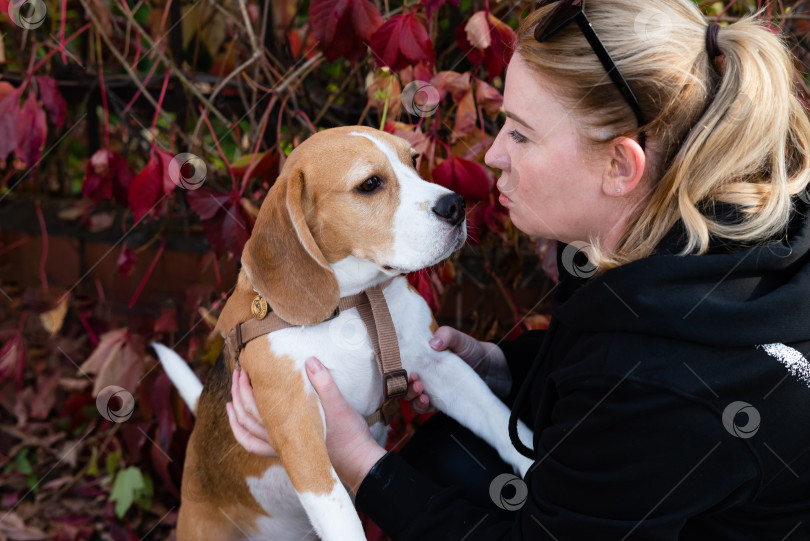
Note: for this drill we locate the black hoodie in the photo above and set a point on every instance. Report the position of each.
(673, 402)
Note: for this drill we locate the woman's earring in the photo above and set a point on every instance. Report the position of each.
(618, 190)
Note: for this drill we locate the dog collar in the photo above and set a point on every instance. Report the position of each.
(373, 310)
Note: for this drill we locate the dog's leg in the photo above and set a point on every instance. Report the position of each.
(198, 521)
(296, 426)
(455, 388)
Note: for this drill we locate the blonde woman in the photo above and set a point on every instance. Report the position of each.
(670, 398)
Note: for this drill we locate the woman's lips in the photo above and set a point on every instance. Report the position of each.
(505, 201)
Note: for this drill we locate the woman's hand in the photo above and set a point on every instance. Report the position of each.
(351, 448)
(485, 358)
(243, 415)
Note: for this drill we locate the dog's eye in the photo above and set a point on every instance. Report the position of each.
(370, 184)
(414, 158)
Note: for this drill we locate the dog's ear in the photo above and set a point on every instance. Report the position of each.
(283, 261)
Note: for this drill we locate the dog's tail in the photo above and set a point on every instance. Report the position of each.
(180, 374)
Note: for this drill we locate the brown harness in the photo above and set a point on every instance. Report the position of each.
(373, 311)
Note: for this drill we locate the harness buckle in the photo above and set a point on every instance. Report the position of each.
(239, 344)
(394, 389)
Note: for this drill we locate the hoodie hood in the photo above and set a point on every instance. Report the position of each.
(748, 296)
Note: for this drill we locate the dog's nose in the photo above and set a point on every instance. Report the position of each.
(450, 208)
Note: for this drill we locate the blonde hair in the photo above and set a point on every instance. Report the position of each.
(730, 131)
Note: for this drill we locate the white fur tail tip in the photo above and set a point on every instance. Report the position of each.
(180, 374)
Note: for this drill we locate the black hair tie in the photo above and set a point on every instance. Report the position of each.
(711, 41)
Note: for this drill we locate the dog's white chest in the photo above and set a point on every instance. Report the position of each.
(344, 347)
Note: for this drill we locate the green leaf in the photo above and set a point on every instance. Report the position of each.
(112, 462)
(128, 484)
(144, 497)
(22, 462)
(92, 469)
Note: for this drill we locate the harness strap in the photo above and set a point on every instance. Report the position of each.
(373, 310)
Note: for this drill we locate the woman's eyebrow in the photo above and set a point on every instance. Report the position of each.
(517, 119)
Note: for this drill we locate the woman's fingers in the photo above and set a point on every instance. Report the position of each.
(251, 443)
(248, 400)
(420, 402)
(415, 387)
(244, 404)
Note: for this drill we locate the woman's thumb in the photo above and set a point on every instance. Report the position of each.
(443, 338)
(324, 385)
(456, 341)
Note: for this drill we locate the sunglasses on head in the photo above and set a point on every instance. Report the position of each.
(567, 11)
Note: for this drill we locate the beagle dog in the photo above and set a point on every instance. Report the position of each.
(348, 212)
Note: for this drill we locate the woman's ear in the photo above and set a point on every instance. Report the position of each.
(625, 167)
(283, 261)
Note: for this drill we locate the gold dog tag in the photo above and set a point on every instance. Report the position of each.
(258, 307)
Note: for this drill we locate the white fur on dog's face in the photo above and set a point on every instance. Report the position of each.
(421, 238)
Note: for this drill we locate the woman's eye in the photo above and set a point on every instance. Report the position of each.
(517, 137)
(370, 184)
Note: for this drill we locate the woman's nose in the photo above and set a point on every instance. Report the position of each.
(496, 157)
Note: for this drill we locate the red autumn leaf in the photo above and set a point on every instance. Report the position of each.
(432, 5)
(206, 202)
(33, 132)
(466, 116)
(126, 260)
(224, 219)
(117, 360)
(488, 98)
(464, 177)
(477, 30)
(9, 122)
(167, 322)
(146, 189)
(421, 281)
(12, 360)
(165, 159)
(344, 26)
(235, 229)
(46, 394)
(265, 165)
(298, 47)
(160, 450)
(402, 41)
(107, 174)
(52, 100)
(5, 88)
(4, 6)
(496, 55)
(458, 84)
